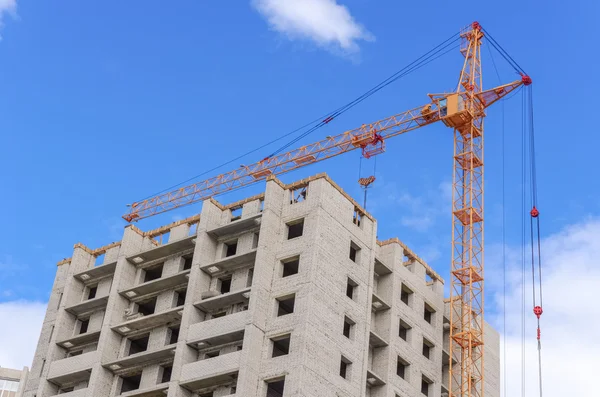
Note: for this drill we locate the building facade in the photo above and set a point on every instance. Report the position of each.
(12, 381)
(288, 293)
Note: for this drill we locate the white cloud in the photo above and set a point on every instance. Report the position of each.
(422, 212)
(571, 319)
(325, 22)
(7, 7)
(19, 333)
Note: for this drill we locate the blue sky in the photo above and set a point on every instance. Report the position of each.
(104, 103)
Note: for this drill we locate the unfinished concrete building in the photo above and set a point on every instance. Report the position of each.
(12, 381)
(288, 293)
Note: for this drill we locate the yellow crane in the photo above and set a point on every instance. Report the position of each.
(462, 110)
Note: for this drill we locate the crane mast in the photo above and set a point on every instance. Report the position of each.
(466, 296)
(462, 110)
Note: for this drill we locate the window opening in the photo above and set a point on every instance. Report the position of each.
(147, 307)
(83, 325)
(290, 266)
(153, 272)
(281, 345)
(230, 248)
(298, 195)
(350, 288)
(131, 382)
(295, 229)
(187, 262)
(138, 344)
(92, 291)
(286, 305)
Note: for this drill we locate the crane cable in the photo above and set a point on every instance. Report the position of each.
(528, 131)
(423, 60)
(426, 58)
(536, 250)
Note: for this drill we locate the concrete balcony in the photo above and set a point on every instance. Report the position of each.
(374, 380)
(219, 330)
(224, 300)
(139, 360)
(381, 269)
(160, 284)
(80, 340)
(162, 251)
(230, 263)
(379, 304)
(151, 321)
(209, 372)
(375, 340)
(159, 390)
(88, 306)
(94, 274)
(237, 226)
(73, 369)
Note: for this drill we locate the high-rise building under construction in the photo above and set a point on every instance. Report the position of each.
(288, 293)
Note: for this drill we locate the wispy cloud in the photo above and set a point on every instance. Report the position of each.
(7, 7)
(422, 211)
(569, 324)
(18, 341)
(325, 22)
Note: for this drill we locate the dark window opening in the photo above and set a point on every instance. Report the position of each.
(213, 354)
(147, 307)
(173, 335)
(350, 288)
(403, 330)
(225, 285)
(180, 297)
(130, 383)
(187, 262)
(286, 305)
(83, 325)
(166, 373)
(295, 229)
(425, 386)
(218, 314)
(344, 367)
(138, 344)
(65, 390)
(290, 267)
(427, 348)
(208, 394)
(153, 273)
(281, 346)
(275, 388)
(348, 325)
(357, 218)
(255, 239)
(428, 313)
(405, 294)
(92, 292)
(230, 248)
(402, 368)
(354, 249)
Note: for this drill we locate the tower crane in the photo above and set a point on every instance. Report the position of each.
(463, 110)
